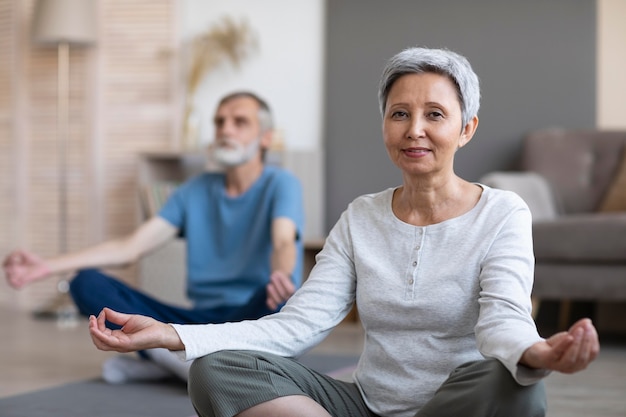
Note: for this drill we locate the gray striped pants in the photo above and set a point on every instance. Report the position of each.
(225, 383)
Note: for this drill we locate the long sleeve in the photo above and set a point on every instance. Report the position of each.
(310, 314)
(505, 328)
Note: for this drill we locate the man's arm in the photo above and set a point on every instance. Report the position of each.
(284, 253)
(22, 267)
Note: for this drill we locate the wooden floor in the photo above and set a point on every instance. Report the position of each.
(37, 354)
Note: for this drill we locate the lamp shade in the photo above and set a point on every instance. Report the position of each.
(65, 21)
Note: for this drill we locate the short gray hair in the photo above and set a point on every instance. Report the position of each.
(439, 61)
(266, 121)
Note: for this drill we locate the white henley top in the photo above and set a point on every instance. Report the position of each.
(430, 299)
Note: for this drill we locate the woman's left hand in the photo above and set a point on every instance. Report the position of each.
(137, 333)
(566, 352)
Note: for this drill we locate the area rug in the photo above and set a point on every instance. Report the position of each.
(95, 398)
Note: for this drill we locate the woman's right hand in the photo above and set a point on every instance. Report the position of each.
(22, 267)
(137, 333)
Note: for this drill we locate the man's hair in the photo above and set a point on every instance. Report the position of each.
(265, 114)
(439, 61)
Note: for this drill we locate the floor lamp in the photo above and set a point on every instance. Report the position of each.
(62, 23)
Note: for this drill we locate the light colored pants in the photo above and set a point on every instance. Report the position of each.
(225, 383)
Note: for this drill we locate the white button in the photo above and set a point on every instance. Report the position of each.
(414, 263)
(411, 281)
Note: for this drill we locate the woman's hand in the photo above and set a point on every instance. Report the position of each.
(137, 333)
(566, 352)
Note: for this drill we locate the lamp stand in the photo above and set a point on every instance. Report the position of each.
(61, 307)
(63, 23)
(62, 138)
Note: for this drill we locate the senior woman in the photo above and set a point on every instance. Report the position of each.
(441, 270)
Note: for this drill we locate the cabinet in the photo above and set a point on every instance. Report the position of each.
(160, 172)
(169, 166)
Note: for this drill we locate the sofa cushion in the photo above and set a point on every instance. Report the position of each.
(598, 237)
(615, 198)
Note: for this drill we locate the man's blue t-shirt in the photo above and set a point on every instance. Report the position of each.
(229, 241)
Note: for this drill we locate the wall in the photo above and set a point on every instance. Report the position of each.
(287, 70)
(611, 62)
(535, 60)
(120, 104)
(611, 110)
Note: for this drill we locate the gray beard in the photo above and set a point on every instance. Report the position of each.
(235, 153)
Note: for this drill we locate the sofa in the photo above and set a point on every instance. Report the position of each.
(574, 182)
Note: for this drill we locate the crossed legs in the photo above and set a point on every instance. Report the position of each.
(249, 384)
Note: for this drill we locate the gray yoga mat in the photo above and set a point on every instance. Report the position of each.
(95, 398)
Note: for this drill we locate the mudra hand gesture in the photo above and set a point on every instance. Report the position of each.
(568, 352)
(137, 333)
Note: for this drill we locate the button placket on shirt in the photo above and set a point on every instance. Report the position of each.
(415, 260)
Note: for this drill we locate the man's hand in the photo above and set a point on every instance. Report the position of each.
(137, 333)
(566, 352)
(22, 267)
(279, 289)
